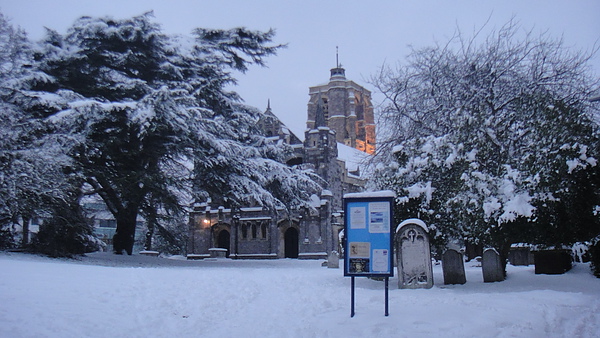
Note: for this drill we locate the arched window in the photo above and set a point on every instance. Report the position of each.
(263, 229)
(253, 230)
(244, 231)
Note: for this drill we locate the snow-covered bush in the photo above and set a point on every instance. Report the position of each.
(580, 252)
(493, 141)
(7, 236)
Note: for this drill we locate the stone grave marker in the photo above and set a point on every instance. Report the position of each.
(492, 266)
(520, 255)
(413, 255)
(453, 267)
(333, 261)
(552, 262)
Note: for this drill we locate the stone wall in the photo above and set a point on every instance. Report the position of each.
(260, 233)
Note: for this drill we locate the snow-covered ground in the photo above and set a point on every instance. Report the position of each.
(103, 295)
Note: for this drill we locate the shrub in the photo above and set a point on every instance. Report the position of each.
(65, 234)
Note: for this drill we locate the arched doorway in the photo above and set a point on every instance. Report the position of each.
(224, 241)
(291, 243)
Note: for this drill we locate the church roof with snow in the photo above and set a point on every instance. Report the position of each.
(356, 160)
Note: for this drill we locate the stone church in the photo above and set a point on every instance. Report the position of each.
(339, 138)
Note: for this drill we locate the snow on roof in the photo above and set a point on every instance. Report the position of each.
(251, 209)
(367, 194)
(285, 130)
(415, 221)
(314, 131)
(255, 218)
(354, 158)
(326, 192)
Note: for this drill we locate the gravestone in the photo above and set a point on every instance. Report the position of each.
(333, 261)
(413, 255)
(217, 253)
(493, 271)
(520, 255)
(552, 262)
(453, 266)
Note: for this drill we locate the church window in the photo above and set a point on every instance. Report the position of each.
(325, 109)
(263, 229)
(253, 230)
(244, 231)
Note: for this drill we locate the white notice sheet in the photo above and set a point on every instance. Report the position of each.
(380, 260)
(358, 218)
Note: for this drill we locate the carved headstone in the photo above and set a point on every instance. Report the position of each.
(414, 255)
(493, 271)
(453, 267)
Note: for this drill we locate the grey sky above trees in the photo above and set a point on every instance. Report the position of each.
(368, 34)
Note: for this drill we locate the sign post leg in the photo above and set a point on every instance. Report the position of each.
(352, 297)
(386, 296)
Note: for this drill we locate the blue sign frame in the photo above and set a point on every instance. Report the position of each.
(368, 247)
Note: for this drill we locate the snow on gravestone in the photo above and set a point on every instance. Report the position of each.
(414, 256)
(491, 266)
(453, 267)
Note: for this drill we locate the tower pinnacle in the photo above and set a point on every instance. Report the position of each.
(338, 73)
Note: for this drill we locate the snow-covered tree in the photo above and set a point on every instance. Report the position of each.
(31, 168)
(13, 47)
(149, 124)
(491, 137)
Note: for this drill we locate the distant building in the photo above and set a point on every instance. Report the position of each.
(339, 137)
(105, 224)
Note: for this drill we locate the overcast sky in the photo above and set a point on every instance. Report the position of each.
(368, 33)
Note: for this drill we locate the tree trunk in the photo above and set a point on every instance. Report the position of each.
(124, 237)
(25, 238)
(150, 224)
(504, 250)
(473, 250)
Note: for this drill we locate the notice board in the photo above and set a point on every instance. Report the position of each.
(368, 247)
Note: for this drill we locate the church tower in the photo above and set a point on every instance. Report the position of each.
(347, 110)
(320, 150)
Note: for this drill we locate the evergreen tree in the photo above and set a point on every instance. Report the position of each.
(31, 168)
(148, 120)
(65, 232)
(13, 54)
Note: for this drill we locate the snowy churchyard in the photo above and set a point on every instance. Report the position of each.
(122, 131)
(105, 295)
